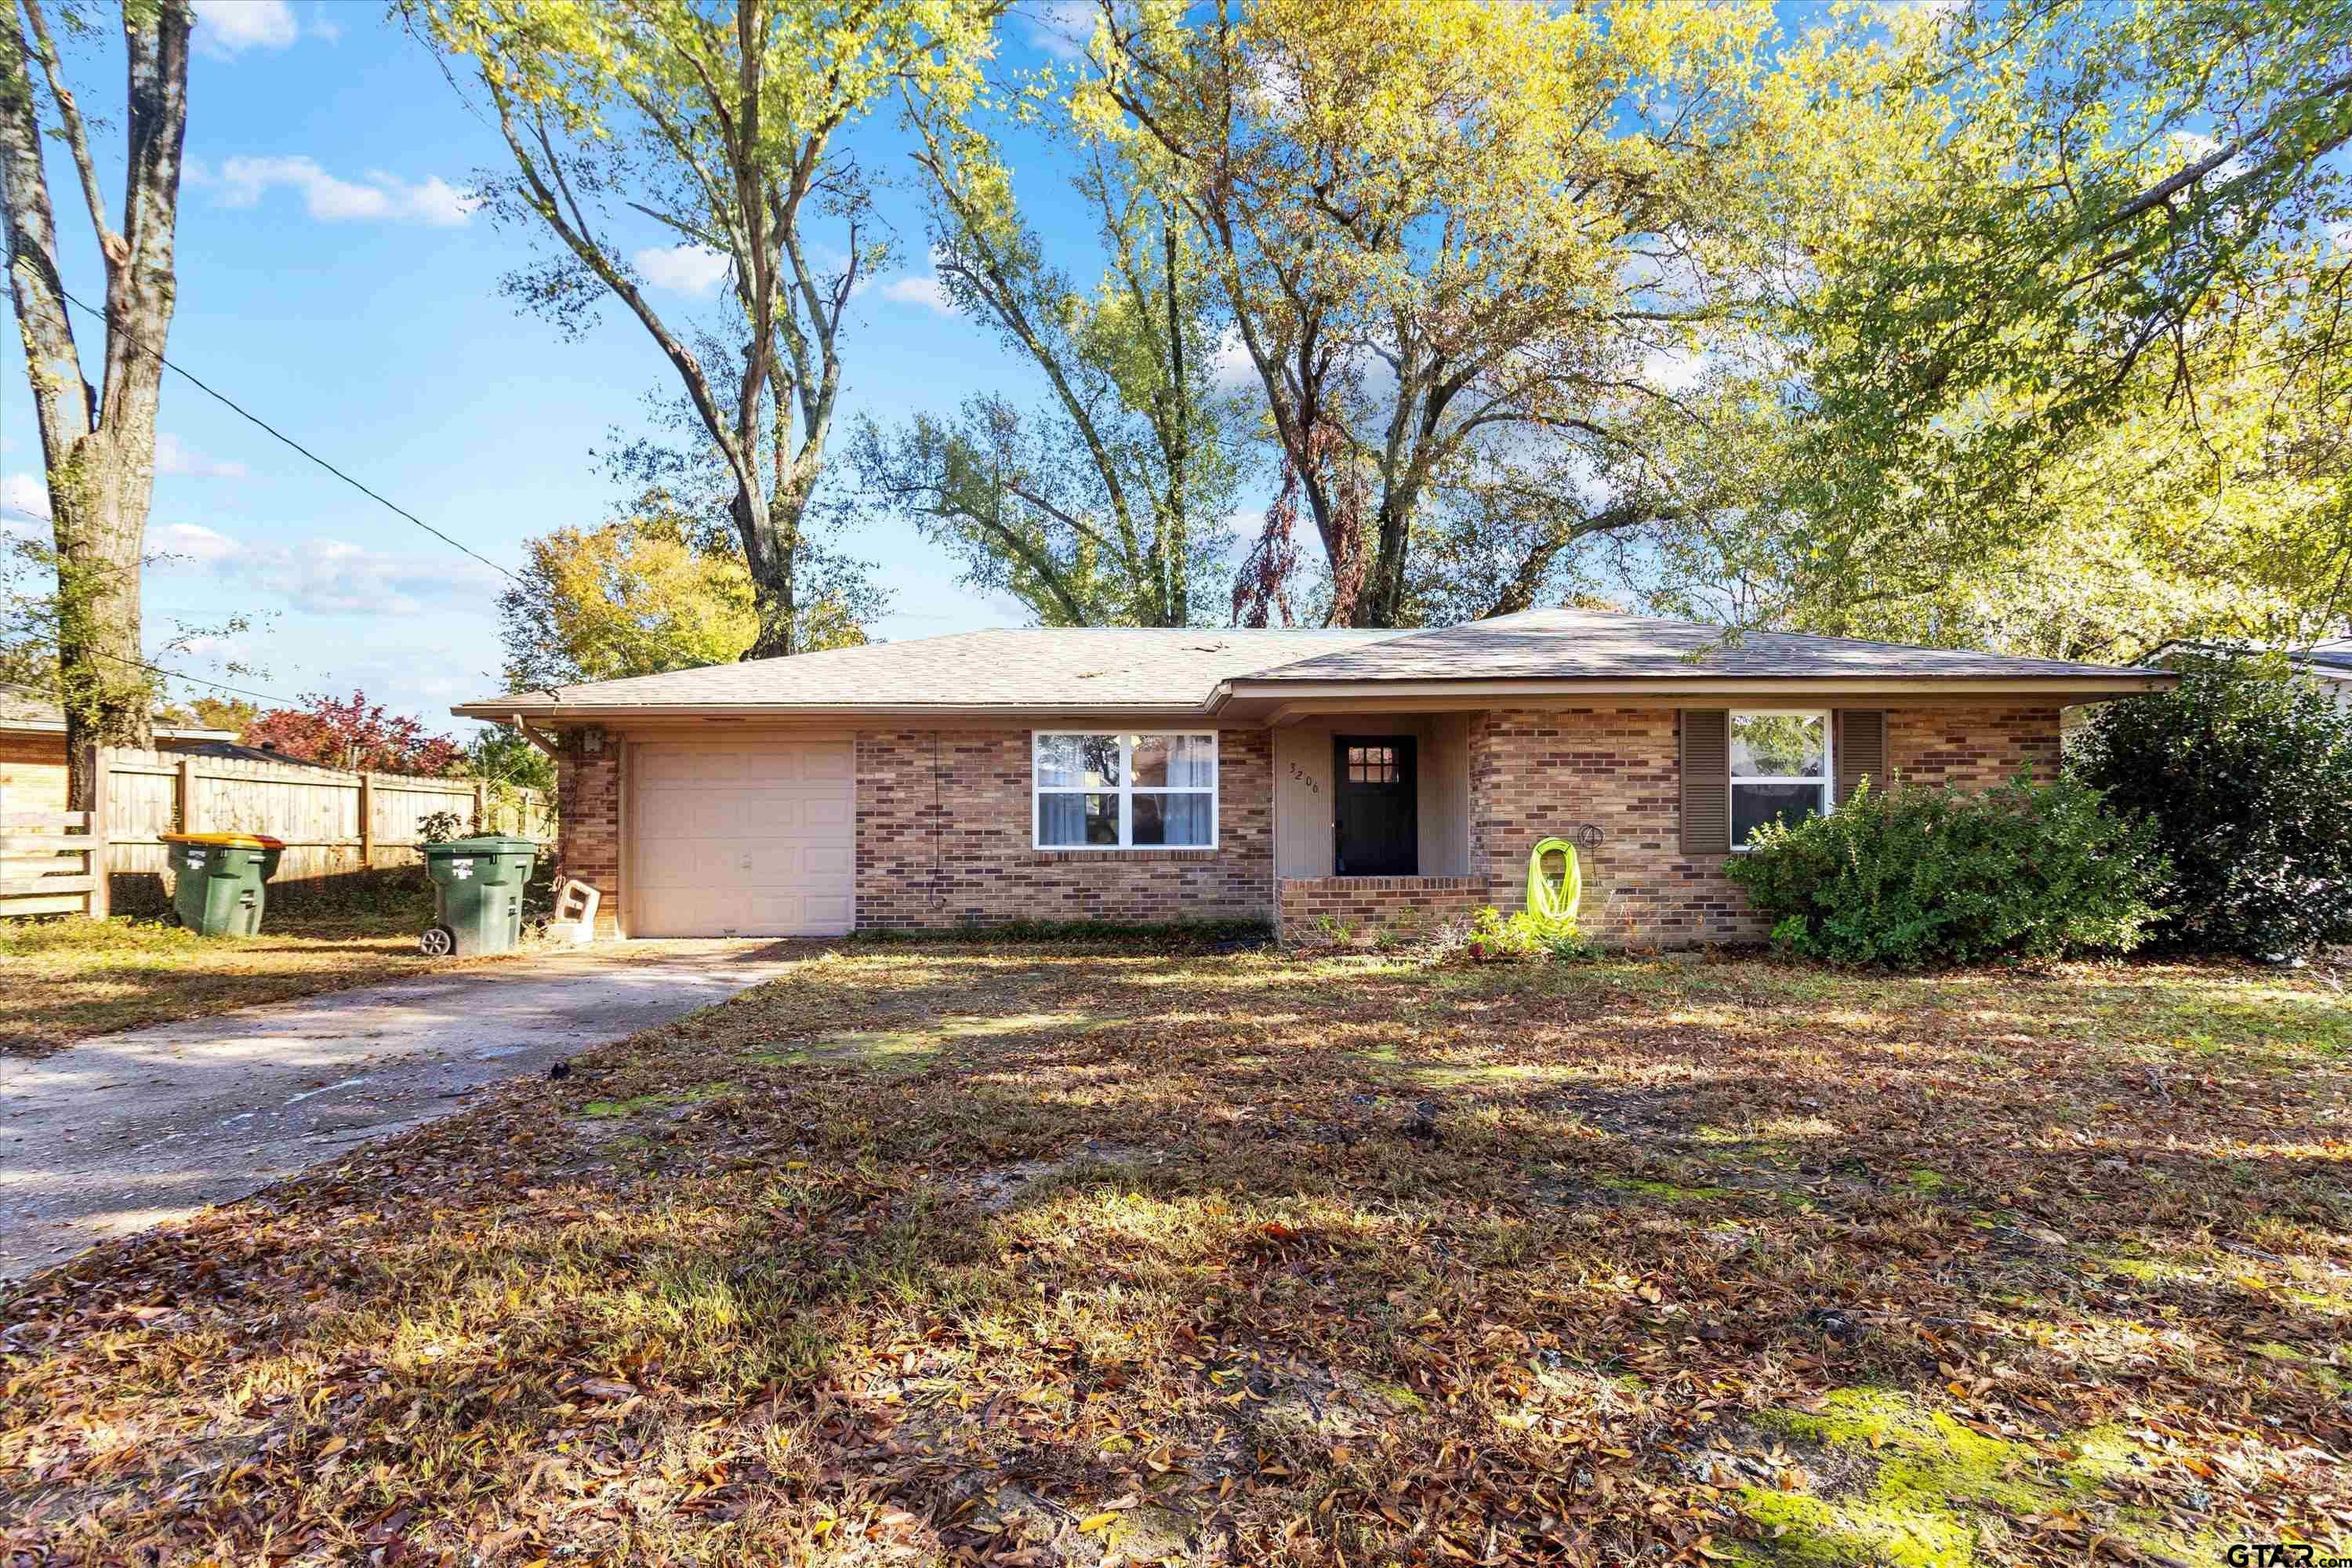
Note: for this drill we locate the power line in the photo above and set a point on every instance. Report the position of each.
(231, 404)
(192, 679)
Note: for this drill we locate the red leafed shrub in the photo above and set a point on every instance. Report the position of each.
(355, 734)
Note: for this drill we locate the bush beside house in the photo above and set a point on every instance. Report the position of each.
(2247, 777)
(1913, 876)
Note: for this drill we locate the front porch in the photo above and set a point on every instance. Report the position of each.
(1372, 824)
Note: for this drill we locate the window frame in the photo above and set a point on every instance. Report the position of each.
(1126, 790)
(1828, 781)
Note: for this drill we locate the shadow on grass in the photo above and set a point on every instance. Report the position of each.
(1122, 1256)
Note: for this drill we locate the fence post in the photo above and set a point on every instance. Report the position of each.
(367, 821)
(101, 888)
(190, 817)
(481, 806)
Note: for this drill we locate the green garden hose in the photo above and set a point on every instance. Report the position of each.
(1551, 906)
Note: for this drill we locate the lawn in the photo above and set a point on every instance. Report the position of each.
(950, 1254)
(64, 980)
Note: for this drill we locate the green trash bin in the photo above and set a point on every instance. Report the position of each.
(476, 895)
(220, 880)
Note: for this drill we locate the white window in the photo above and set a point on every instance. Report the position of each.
(1780, 768)
(1108, 791)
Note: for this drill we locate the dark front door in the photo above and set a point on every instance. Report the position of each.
(1379, 834)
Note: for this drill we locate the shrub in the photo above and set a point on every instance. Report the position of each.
(1920, 876)
(1493, 934)
(2248, 778)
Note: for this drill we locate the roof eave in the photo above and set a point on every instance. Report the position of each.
(786, 712)
(1701, 684)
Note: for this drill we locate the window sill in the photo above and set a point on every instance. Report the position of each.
(1130, 852)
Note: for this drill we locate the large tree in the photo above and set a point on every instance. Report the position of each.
(2075, 328)
(1105, 503)
(97, 441)
(1469, 248)
(649, 590)
(725, 125)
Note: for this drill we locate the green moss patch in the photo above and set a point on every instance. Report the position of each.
(1918, 1488)
(665, 1100)
(1668, 1192)
(913, 1049)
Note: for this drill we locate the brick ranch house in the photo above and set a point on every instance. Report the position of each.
(1381, 778)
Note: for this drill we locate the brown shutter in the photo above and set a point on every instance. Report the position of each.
(1861, 751)
(1706, 780)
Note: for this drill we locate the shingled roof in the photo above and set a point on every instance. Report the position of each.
(1600, 645)
(1036, 667)
(22, 708)
(1150, 669)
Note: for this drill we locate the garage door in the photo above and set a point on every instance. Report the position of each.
(744, 839)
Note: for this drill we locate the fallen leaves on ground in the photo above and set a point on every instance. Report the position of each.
(957, 1255)
(66, 979)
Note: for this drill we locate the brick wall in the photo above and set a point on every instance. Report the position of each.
(1974, 748)
(588, 841)
(1534, 774)
(1369, 906)
(1538, 773)
(944, 836)
(944, 839)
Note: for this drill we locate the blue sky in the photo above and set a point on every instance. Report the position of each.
(333, 280)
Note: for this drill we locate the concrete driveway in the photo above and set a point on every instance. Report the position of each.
(123, 1132)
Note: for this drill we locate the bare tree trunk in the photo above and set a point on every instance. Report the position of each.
(98, 444)
(99, 510)
(770, 548)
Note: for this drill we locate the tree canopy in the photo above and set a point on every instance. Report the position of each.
(645, 592)
(1105, 504)
(724, 125)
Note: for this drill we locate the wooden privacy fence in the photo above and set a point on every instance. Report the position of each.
(51, 864)
(341, 828)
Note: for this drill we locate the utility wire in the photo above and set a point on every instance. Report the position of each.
(231, 404)
(192, 679)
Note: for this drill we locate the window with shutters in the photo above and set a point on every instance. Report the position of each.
(1780, 769)
(1098, 791)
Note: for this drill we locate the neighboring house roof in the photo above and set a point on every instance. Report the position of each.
(1109, 669)
(26, 711)
(238, 751)
(2326, 660)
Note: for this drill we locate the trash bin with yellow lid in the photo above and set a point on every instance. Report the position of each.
(219, 880)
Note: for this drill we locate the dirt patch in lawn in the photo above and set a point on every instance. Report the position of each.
(944, 1254)
(66, 979)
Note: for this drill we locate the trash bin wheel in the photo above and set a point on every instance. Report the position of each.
(436, 942)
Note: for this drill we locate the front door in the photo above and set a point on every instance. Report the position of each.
(1379, 833)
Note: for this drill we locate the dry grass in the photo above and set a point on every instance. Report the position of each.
(935, 1254)
(66, 979)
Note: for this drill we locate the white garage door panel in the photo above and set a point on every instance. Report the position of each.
(744, 838)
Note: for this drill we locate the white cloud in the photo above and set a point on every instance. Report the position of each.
(323, 25)
(193, 542)
(25, 496)
(325, 576)
(1230, 369)
(227, 29)
(1064, 28)
(916, 288)
(382, 196)
(171, 458)
(1673, 371)
(683, 268)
